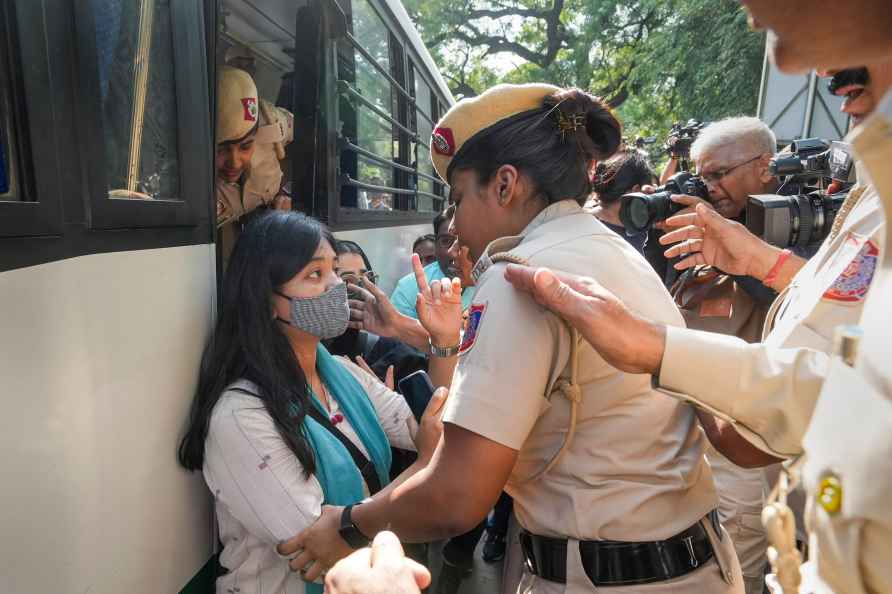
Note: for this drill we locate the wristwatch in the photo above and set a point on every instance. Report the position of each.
(443, 351)
(352, 535)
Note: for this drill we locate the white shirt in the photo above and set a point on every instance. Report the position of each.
(261, 497)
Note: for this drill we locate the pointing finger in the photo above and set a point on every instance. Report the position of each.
(420, 278)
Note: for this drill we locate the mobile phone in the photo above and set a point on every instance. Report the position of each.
(417, 389)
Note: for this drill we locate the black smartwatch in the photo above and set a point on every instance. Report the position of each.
(352, 535)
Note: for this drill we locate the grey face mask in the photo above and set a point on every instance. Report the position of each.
(325, 316)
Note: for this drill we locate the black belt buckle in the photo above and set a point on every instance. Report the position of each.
(545, 557)
(619, 563)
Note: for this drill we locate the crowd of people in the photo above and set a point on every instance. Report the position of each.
(614, 408)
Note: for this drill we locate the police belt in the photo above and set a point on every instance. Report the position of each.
(618, 563)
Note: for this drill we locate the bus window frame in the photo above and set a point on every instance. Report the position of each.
(346, 218)
(194, 133)
(38, 209)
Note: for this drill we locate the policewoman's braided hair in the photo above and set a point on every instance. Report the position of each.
(554, 146)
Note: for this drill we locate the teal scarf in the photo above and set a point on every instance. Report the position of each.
(340, 479)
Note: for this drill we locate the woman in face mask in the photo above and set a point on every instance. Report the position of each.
(278, 426)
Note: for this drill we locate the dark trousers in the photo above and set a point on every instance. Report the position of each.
(497, 522)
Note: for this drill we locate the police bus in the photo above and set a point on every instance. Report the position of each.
(106, 300)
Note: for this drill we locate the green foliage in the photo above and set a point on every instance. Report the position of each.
(654, 61)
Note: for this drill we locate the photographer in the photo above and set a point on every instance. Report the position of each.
(627, 171)
(769, 390)
(678, 145)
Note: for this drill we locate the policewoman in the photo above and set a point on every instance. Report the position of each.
(251, 138)
(608, 476)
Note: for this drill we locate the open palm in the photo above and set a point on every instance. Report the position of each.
(439, 306)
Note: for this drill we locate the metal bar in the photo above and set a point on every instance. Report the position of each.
(349, 181)
(389, 77)
(788, 106)
(385, 161)
(141, 64)
(365, 54)
(427, 117)
(345, 86)
(429, 195)
(436, 180)
(268, 19)
(810, 105)
(377, 158)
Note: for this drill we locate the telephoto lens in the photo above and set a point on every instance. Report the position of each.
(793, 221)
(639, 211)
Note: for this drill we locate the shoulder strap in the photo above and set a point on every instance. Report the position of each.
(365, 466)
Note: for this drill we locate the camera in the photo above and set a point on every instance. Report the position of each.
(681, 137)
(639, 211)
(793, 221)
(805, 216)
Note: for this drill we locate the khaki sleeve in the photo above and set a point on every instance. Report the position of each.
(768, 392)
(506, 364)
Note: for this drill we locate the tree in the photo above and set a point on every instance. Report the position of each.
(655, 61)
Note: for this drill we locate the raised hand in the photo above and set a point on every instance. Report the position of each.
(706, 237)
(439, 306)
(372, 311)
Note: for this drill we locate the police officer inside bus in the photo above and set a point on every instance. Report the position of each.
(251, 138)
(604, 472)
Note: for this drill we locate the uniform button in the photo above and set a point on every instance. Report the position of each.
(830, 494)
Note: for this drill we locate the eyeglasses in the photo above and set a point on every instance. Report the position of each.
(715, 177)
(356, 279)
(445, 241)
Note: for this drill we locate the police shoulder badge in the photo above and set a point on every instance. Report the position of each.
(851, 286)
(443, 141)
(475, 317)
(250, 108)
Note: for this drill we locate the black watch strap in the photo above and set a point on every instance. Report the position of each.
(352, 535)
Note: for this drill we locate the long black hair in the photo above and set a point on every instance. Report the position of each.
(556, 162)
(248, 343)
(620, 173)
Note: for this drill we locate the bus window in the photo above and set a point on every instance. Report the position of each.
(373, 132)
(138, 101)
(423, 101)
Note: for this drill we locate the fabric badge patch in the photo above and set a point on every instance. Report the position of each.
(443, 141)
(853, 283)
(250, 108)
(475, 316)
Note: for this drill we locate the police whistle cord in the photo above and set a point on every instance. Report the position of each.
(568, 388)
(780, 528)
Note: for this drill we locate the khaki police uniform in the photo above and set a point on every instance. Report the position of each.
(741, 496)
(753, 384)
(601, 455)
(239, 111)
(849, 441)
(846, 432)
(634, 469)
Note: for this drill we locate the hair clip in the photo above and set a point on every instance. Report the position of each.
(569, 123)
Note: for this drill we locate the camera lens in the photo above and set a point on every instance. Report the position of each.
(635, 212)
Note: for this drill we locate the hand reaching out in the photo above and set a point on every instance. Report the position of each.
(439, 306)
(381, 569)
